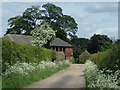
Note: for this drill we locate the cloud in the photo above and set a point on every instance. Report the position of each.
(111, 32)
(102, 8)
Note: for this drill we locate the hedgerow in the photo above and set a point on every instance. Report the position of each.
(109, 59)
(13, 52)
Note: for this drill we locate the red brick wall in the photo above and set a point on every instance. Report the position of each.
(68, 52)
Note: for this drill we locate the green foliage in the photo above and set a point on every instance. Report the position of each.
(13, 52)
(99, 43)
(83, 59)
(79, 45)
(33, 16)
(73, 60)
(42, 34)
(0, 56)
(0, 82)
(25, 22)
(19, 81)
(118, 41)
(109, 59)
(96, 78)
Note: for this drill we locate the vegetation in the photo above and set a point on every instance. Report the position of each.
(104, 72)
(64, 25)
(99, 43)
(22, 74)
(109, 59)
(36, 15)
(83, 59)
(79, 45)
(95, 78)
(13, 52)
(96, 43)
(42, 34)
(0, 63)
(0, 82)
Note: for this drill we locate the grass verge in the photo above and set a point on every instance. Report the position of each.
(18, 81)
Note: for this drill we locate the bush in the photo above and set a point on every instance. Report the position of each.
(13, 52)
(109, 59)
(73, 60)
(82, 59)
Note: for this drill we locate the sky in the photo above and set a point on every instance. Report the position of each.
(91, 17)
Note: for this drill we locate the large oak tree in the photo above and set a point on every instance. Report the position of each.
(36, 15)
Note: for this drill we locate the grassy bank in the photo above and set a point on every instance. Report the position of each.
(16, 79)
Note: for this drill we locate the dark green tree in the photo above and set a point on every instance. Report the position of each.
(79, 45)
(118, 41)
(34, 16)
(26, 22)
(99, 43)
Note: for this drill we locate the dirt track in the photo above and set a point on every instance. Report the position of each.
(73, 77)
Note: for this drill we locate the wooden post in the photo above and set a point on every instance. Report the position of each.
(55, 48)
(58, 48)
(62, 49)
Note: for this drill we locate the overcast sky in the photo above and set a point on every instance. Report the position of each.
(91, 17)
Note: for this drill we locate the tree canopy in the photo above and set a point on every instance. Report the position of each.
(36, 15)
(79, 45)
(99, 43)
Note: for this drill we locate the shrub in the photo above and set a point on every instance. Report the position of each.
(13, 52)
(73, 60)
(82, 59)
(109, 59)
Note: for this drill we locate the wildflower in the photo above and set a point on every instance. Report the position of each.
(97, 79)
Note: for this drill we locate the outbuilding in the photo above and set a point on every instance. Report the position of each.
(56, 44)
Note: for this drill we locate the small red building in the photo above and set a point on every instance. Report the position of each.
(59, 45)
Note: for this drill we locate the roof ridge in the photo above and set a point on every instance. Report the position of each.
(19, 35)
(10, 37)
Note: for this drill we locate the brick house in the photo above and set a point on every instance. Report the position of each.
(61, 46)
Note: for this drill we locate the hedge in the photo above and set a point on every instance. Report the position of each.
(13, 52)
(109, 59)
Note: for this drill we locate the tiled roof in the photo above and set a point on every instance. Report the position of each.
(85, 53)
(25, 39)
(59, 42)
